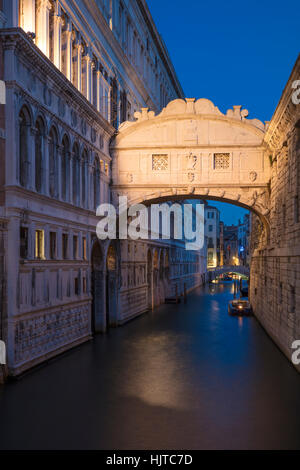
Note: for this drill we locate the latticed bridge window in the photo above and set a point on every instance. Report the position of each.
(221, 161)
(160, 162)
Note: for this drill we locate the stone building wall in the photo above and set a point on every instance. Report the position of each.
(70, 78)
(152, 271)
(275, 265)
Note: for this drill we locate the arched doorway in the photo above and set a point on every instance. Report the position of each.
(149, 281)
(97, 289)
(111, 287)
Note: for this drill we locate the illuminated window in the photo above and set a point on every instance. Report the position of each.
(39, 244)
(221, 161)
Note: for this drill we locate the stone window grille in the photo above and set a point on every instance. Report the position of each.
(221, 161)
(160, 162)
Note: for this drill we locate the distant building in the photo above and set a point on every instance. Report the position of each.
(231, 245)
(244, 240)
(236, 243)
(212, 232)
(221, 243)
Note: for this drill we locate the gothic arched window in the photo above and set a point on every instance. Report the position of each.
(84, 161)
(39, 155)
(75, 175)
(65, 168)
(24, 159)
(96, 183)
(53, 163)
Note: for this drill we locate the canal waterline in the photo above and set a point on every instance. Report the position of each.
(181, 377)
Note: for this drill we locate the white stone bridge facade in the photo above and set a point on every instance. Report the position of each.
(193, 150)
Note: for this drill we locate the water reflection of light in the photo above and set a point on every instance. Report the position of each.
(160, 381)
(240, 321)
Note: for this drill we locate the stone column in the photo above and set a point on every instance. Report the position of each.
(93, 82)
(27, 15)
(109, 105)
(57, 40)
(58, 172)
(31, 159)
(98, 85)
(43, 8)
(67, 51)
(46, 187)
(86, 76)
(78, 65)
(69, 190)
(90, 186)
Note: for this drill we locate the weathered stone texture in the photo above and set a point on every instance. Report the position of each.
(275, 267)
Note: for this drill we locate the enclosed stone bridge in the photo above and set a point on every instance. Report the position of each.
(193, 150)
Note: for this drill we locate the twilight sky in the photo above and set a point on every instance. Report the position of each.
(232, 52)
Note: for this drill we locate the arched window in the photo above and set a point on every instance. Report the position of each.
(53, 163)
(96, 183)
(84, 161)
(24, 160)
(65, 168)
(75, 175)
(39, 152)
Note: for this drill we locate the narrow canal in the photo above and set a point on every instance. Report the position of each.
(182, 377)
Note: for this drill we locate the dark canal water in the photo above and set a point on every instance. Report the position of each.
(182, 377)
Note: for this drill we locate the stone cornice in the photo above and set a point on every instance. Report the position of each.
(29, 195)
(122, 58)
(16, 38)
(286, 113)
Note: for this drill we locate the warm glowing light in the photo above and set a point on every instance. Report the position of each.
(27, 15)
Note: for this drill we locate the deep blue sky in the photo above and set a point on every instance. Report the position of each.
(231, 52)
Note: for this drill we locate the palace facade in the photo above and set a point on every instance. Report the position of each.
(70, 73)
